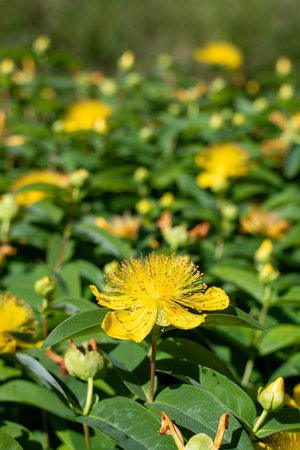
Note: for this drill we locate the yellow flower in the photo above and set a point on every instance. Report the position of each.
(221, 162)
(283, 65)
(219, 53)
(156, 289)
(27, 198)
(122, 226)
(15, 317)
(281, 440)
(268, 223)
(264, 252)
(87, 115)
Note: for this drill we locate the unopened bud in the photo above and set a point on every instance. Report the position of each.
(7, 66)
(283, 66)
(141, 174)
(45, 287)
(268, 274)
(143, 206)
(78, 178)
(41, 44)
(200, 442)
(286, 91)
(264, 253)
(126, 61)
(166, 200)
(272, 397)
(84, 366)
(8, 207)
(176, 236)
(229, 211)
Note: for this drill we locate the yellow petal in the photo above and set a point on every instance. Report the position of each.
(211, 300)
(134, 325)
(297, 394)
(8, 343)
(112, 302)
(180, 317)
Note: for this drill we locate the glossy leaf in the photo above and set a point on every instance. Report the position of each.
(287, 419)
(8, 443)
(279, 337)
(80, 324)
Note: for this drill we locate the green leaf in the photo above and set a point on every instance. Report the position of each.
(8, 443)
(231, 317)
(20, 391)
(70, 279)
(47, 211)
(7, 372)
(292, 162)
(37, 369)
(290, 368)
(292, 296)
(54, 249)
(279, 337)
(291, 239)
(102, 237)
(132, 364)
(72, 305)
(128, 424)
(80, 324)
(229, 393)
(198, 411)
(193, 352)
(247, 281)
(285, 420)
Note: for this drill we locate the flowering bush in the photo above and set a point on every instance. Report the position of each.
(116, 194)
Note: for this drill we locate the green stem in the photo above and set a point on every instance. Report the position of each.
(63, 248)
(152, 369)
(5, 230)
(89, 396)
(88, 403)
(262, 317)
(260, 421)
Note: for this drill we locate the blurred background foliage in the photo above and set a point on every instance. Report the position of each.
(98, 31)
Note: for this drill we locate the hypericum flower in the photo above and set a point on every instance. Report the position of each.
(221, 54)
(124, 226)
(15, 318)
(156, 289)
(87, 115)
(265, 222)
(27, 198)
(282, 440)
(221, 162)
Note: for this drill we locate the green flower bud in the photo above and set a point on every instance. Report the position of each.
(8, 207)
(272, 397)
(200, 442)
(268, 274)
(84, 366)
(45, 287)
(229, 211)
(176, 236)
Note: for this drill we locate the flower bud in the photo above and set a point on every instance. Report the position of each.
(7, 66)
(216, 120)
(165, 61)
(143, 206)
(166, 200)
(41, 44)
(176, 236)
(200, 442)
(141, 174)
(84, 366)
(272, 397)
(229, 211)
(286, 91)
(109, 87)
(283, 65)
(268, 274)
(78, 178)
(45, 287)
(238, 119)
(126, 61)
(146, 133)
(265, 251)
(8, 207)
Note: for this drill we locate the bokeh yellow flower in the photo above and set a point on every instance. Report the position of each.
(221, 162)
(282, 440)
(87, 115)
(293, 402)
(156, 289)
(219, 53)
(29, 197)
(124, 226)
(15, 318)
(265, 222)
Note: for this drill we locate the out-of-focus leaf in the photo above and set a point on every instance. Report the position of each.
(55, 248)
(8, 443)
(80, 324)
(128, 424)
(279, 337)
(292, 162)
(7, 372)
(244, 279)
(292, 296)
(99, 236)
(290, 368)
